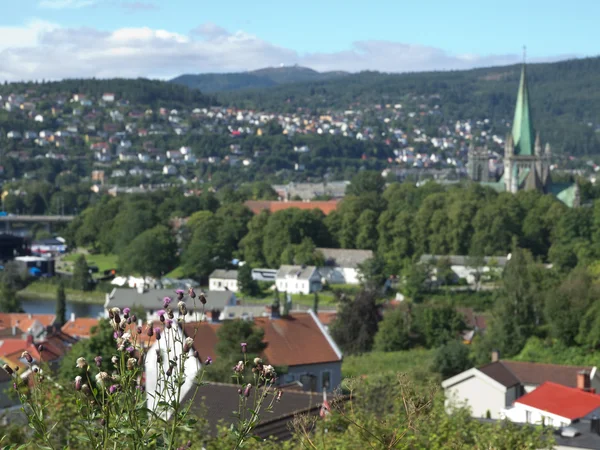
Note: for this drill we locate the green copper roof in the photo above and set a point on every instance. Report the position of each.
(522, 130)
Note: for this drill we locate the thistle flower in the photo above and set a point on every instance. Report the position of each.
(168, 324)
(180, 293)
(126, 312)
(98, 361)
(161, 314)
(169, 371)
(170, 314)
(279, 395)
(257, 361)
(157, 333)
(247, 390)
(268, 372)
(187, 344)
(131, 363)
(81, 363)
(208, 361)
(133, 318)
(182, 308)
(114, 388)
(116, 317)
(115, 360)
(78, 383)
(167, 301)
(129, 321)
(139, 330)
(130, 349)
(202, 298)
(239, 367)
(149, 329)
(86, 389)
(244, 347)
(8, 369)
(101, 377)
(26, 356)
(191, 293)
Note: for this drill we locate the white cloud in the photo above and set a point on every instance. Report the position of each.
(66, 4)
(44, 50)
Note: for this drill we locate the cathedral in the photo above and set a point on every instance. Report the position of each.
(526, 162)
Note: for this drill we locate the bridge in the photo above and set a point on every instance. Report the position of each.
(35, 219)
(20, 224)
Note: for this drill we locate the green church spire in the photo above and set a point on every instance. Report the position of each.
(522, 129)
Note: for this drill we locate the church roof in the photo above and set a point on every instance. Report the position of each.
(522, 131)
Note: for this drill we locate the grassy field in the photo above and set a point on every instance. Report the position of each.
(176, 273)
(377, 363)
(104, 262)
(44, 290)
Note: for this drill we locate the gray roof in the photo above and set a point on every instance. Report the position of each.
(224, 274)
(343, 257)
(461, 260)
(296, 272)
(153, 299)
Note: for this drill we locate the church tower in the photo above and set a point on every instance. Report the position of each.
(525, 164)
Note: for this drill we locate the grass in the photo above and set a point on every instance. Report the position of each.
(326, 298)
(378, 363)
(43, 290)
(176, 273)
(103, 262)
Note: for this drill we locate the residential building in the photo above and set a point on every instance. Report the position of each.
(223, 280)
(298, 279)
(264, 275)
(341, 265)
(152, 301)
(488, 390)
(466, 268)
(80, 327)
(256, 206)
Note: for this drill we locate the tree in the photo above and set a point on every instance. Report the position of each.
(451, 359)
(81, 275)
(9, 302)
(356, 323)
(366, 182)
(246, 284)
(61, 304)
(151, 253)
(437, 325)
(371, 273)
(394, 331)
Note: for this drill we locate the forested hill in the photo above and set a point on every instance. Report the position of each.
(139, 92)
(565, 97)
(262, 78)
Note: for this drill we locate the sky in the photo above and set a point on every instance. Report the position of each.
(55, 39)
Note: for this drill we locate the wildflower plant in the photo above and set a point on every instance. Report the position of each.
(112, 406)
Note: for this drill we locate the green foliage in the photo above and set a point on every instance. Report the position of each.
(356, 323)
(9, 302)
(437, 325)
(366, 182)
(378, 363)
(246, 284)
(554, 351)
(451, 359)
(81, 279)
(153, 253)
(394, 332)
(61, 304)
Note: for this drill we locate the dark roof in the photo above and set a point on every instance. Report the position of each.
(4, 376)
(537, 373)
(224, 274)
(343, 257)
(153, 299)
(460, 260)
(584, 439)
(500, 373)
(217, 401)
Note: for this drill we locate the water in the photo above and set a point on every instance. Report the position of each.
(34, 306)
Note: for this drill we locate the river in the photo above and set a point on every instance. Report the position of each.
(34, 306)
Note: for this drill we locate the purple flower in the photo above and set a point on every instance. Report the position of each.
(133, 318)
(168, 324)
(161, 314)
(25, 355)
(247, 390)
(191, 293)
(139, 330)
(78, 383)
(113, 388)
(244, 347)
(130, 350)
(149, 330)
(157, 333)
(180, 293)
(98, 361)
(140, 388)
(167, 301)
(208, 361)
(126, 312)
(202, 298)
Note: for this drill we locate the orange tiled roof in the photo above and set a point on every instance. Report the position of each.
(327, 317)
(256, 206)
(561, 400)
(8, 320)
(80, 327)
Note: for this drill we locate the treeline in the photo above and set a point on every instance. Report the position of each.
(564, 97)
(399, 223)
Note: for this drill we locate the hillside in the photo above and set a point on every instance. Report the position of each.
(262, 78)
(565, 97)
(139, 92)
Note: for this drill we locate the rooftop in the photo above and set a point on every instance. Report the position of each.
(343, 257)
(561, 400)
(257, 206)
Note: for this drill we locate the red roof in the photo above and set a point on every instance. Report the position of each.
(24, 320)
(561, 400)
(256, 206)
(80, 326)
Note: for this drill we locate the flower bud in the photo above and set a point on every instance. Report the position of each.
(78, 383)
(247, 390)
(8, 369)
(98, 361)
(182, 308)
(81, 363)
(187, 344)
(26, 356)
(180, 294)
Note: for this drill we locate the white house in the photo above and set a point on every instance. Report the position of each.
(298, 279)
(223, 280)
(169, 170)
(555, 405)
(341, 265)
(490, 389)
(465, 268)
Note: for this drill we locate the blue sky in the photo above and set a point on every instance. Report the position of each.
(162, 38)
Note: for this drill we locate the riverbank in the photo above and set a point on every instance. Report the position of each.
(39, 290)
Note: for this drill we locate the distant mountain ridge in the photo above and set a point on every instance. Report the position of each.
(261, 78)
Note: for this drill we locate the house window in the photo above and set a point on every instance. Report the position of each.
(528, 416)
(326, 380)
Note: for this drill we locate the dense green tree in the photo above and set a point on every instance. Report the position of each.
(371, 273)
(394, 332)
(437, 325)
(151, 253)
(81, 279)
(366, 182)
(61, 304)
(9, 301)
(357, 322)
(246, 284)
(451, 359)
